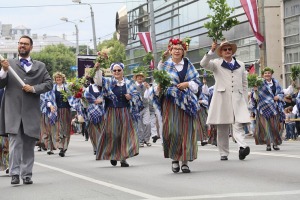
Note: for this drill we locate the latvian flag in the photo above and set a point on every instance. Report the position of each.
(146, 41)
(250, 8)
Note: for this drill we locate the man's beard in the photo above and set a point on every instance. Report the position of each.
(23, 53)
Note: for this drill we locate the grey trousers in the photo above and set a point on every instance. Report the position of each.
(144, 126)
(21, 154)
(223, 137)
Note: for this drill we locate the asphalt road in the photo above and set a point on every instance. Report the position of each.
(263, 175)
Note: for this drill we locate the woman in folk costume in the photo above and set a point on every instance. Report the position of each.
(212, 129)
(95, 112)
(118, 140)
(4, 146)
(179, 106)
(268, 107)
(59, 113)
(202, 114)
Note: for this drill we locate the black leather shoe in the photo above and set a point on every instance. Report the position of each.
(155, 138)
(124, 163)
(27, 181)
(114, 162)
(7, 171)
(243, 152)
(50, 152)
(276, 148)
(62, 153)
(268, 148)
(15, 179)
(224, 158)
(177, 168)
(203, 143)
(185, 168)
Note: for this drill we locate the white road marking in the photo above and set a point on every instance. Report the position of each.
(248, 194)
(109, 185)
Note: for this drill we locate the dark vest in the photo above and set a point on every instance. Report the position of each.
(122, 102)
(95, 94)
(183, 72)
(60, 100)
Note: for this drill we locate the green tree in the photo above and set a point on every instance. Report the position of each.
(117, 51)
(57, 58)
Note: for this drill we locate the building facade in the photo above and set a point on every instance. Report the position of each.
(185, 18)
(9, 38)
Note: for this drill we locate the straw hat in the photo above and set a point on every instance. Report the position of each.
(139, 71)
(226, 43)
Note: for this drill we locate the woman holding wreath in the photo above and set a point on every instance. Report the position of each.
(179, 106)
(267, 103)
(118, 140)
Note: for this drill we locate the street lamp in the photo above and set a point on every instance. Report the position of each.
(77, 40)
(93, 23)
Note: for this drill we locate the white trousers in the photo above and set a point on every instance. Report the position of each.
(223, 137)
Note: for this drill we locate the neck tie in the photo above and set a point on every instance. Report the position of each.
(230, 65)
(24, 62)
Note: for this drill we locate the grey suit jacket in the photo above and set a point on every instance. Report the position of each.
(20, 106)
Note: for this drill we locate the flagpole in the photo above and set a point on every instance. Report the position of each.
(261, 17)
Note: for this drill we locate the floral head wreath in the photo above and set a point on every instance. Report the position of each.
(184, 43)
(267, 69)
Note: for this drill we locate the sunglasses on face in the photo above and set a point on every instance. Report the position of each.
(117, 70)
(225, 49)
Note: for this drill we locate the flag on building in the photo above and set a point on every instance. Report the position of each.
(146, 42)
(250, 8)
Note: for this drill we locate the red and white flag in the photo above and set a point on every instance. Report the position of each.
(250, 8)
(146, 41)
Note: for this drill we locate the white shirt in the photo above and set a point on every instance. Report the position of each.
(3, 73)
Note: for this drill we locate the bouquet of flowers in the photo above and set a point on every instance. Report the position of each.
(75, 89)
(162, 78)
(254, 80)
(102, 59)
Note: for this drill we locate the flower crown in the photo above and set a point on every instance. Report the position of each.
(184, 43)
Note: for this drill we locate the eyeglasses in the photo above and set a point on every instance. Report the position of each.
(225, 49)
(117, 70)
(177, 49)
(25, 44)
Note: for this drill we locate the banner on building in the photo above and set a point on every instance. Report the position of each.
(250, 8)
(145, 39)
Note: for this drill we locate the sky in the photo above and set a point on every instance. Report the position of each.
(43, 17)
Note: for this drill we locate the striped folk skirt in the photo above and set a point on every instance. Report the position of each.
(201, 126)
(4, 153)
(94, 131)
(268, 131)
(212, 135)
(179, 133)
(62, 128)
(48, 134)
(118, 139)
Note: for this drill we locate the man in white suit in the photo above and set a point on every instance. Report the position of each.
(229, 102)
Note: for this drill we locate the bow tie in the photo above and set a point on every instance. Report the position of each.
(24, 62)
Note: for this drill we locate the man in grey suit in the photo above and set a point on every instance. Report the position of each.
(20, 109)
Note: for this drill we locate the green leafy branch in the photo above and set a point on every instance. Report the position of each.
(162, 78)
(221, 21)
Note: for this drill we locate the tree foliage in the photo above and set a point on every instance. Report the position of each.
(57, 58)
(221, 21)
(117, 51)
